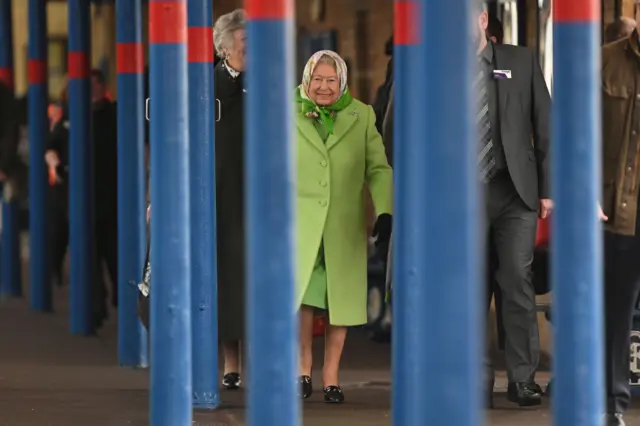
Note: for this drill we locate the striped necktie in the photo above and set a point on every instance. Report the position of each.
(486, 155)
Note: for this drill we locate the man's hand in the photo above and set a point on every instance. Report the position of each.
(601, 214)
(52, 159)
(546, 207)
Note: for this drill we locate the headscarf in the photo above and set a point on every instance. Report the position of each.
(324, 114)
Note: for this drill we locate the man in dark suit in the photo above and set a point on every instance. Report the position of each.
(513, 138)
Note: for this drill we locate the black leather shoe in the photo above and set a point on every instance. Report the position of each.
(526, 394)
(306, 386)
(614, 420)
(548, 391)
(333, 395)
(231, 381)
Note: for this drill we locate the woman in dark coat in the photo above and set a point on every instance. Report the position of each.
(229, 36)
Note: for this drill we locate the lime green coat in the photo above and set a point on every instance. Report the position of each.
(332, 178)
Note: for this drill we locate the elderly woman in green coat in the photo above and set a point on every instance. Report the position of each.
(339, 155)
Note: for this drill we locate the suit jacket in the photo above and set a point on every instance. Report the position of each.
(524, 108)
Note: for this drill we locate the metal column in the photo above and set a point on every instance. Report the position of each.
(171, 383)
(204, 299)
(271, 314)
(6, 43)
(132, 337)
(10, 269)
(39, 266)
(437, 280)
(577, 271)
(81, 180)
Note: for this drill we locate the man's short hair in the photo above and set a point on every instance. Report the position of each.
(618, 29)
(98, 75)
(495, 29)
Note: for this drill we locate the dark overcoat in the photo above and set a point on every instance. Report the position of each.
(229, 93)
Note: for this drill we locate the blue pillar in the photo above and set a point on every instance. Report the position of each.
(269, 164)
(437, 280)
(39, 266)
(204, 298)
(171, 383)
(10, 267)
(6, 43)
(132, 337)
(81, 185)
(577, 271)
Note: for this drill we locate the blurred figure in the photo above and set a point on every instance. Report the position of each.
(384, 91)
(9, 137)
(619, 29)
(619, 211)
(57, 159)
(495, 31)
(339, 153)
(105, 154)
(105, 160)
(230, 44)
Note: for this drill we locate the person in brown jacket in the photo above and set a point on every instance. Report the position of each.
(619, 212)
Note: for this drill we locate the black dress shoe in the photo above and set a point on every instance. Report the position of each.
(231, 381)
(333, 395)
(614, 420)
(526, 394)
(306, 386)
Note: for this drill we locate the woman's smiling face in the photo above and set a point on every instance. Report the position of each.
(324, 88)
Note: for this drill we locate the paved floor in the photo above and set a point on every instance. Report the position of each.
(50, 378)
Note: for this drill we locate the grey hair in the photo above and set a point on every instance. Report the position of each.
(224, 28)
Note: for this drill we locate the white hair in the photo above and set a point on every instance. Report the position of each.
(224, 28)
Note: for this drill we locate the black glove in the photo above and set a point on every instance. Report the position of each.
(382, 233)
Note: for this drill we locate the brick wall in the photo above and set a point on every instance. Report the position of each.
(342, 15)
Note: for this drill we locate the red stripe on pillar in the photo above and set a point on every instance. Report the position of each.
(269, 9)
(37, 71)
(6, 76)
(200, 47)
(78, 65)
(406, 23)
(129, 58)
(576, 11)
(167, 22)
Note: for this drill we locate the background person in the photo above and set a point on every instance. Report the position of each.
(230, 45)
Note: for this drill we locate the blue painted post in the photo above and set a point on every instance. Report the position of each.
(204, 298)
(6, 43)
(39, 266)
(577, 270)
(271, 313)
(81, 210)
(171, 383)
(437, 276)
(10, 267)
(132, 337)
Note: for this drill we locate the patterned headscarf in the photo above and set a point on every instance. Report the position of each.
(325, 115)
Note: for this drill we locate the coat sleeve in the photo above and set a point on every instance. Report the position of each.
(541, 112)
(379, 174)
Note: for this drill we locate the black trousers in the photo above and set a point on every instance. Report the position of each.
(58, 228)
(512, 226)
(621, 288)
